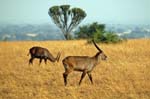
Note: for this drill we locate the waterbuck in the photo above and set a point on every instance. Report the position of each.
(84, 64)
(42, 53)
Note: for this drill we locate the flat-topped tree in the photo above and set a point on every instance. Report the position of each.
(66, 19)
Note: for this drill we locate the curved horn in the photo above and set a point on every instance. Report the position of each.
(58, 56)
(97, 46)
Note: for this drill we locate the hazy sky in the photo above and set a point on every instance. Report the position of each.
(104, 11)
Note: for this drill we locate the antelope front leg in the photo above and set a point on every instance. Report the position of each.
(65, 75)
(82, 76)
(65, 78)
(90, 77)
(40, 61)
(31, 60)
(45, 61)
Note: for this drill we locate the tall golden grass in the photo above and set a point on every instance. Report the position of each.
(125, 75)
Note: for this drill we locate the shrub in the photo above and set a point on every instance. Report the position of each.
(97, 32)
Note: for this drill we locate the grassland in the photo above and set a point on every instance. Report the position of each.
(125, 75)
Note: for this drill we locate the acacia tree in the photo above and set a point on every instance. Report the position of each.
(66, 19)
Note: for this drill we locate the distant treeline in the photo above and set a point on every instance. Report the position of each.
(12, 32)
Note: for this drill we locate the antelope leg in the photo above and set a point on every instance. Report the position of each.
(90, 77)
(82, 76)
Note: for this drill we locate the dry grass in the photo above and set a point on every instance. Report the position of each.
(125, 75)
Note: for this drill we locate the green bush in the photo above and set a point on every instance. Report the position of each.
(88, 31)
(112, 38)
(97, 32)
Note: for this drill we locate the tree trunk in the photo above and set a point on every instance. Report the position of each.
(68, 36)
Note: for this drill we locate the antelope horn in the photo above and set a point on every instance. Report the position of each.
(58, 56)
(97, 46)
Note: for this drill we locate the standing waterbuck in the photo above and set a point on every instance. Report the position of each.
(42, 53)
(84, 64)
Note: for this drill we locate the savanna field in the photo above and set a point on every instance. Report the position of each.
(125, 74)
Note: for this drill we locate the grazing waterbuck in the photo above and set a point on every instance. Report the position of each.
(84, 64)
(42, 53)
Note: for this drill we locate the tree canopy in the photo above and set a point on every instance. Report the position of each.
(66, 19)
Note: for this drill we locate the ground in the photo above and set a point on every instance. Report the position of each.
(125, 74)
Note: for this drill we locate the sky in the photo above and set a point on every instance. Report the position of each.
(102, 11)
